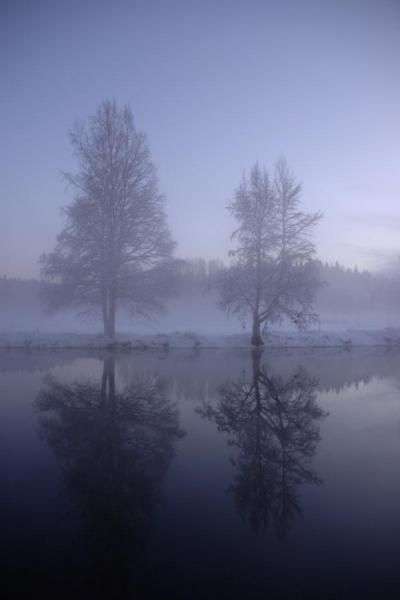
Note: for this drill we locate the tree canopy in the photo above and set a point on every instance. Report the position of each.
(115, 248)
(274, 274)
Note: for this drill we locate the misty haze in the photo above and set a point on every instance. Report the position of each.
(200, 299)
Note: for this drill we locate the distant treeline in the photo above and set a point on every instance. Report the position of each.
(344, 290)
(349, 289)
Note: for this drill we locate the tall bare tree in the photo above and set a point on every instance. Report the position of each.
(115, 247)
(274, 274)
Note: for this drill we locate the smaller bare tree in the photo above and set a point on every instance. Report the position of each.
(274, 274)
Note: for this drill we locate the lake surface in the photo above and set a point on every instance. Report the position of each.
(214, 474)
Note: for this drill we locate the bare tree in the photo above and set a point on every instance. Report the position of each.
(274, 274)
(115, 247)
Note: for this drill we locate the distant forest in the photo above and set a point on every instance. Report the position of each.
(346, 291)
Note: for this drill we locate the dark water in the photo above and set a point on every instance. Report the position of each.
(208, 475)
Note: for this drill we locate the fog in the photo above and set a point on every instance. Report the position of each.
(348, 299)
(199, 299)
(215, 88)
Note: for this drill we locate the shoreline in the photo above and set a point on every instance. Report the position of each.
(346, 340)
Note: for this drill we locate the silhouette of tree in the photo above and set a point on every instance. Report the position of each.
(114, 448)
(115, 248)
(273, 423)
(274, 274)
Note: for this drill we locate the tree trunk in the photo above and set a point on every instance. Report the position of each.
(105, 324)
(256, 339)
(104, 312)
(109, 325)
(109, 318)
(112, 313)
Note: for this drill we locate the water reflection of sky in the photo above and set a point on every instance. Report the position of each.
(210, 474)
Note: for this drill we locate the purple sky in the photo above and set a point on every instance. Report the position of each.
(216, 86)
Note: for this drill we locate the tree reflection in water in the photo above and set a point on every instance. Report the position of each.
(114, 448)
(274, 424)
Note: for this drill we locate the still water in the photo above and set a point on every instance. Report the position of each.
(216, 474)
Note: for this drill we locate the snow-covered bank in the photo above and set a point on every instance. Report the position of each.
(347, 339)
